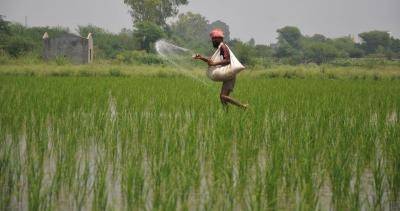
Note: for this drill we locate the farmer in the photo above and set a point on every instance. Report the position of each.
(217, 37)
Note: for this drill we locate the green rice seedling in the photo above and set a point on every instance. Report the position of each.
(151, 142)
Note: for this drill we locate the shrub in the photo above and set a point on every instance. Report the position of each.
(62, 60)
(320, 53)
(4, 57)
(17, 46)
(63, 73)
(138, 57)
(115, 72)
(365, 63)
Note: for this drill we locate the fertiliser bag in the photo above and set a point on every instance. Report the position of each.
(226, 72)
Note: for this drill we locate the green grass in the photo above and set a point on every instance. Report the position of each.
(164, 142)
(109, 68)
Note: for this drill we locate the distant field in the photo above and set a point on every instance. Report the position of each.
(161, 140)
(363, 71)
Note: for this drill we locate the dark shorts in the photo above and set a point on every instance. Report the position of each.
(229, 84)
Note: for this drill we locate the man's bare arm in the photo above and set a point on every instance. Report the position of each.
(211, 63)
(203, 58)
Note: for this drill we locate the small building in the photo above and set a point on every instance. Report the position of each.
(76, 48)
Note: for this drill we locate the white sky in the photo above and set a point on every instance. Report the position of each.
(258, 19)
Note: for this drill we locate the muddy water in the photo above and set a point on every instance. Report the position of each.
(83, 197)
(80, 195)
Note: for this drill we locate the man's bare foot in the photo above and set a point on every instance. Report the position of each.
(245, 106)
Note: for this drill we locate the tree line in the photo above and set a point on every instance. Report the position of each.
(191, 30)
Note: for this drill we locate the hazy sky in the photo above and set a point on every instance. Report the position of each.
(258, 19)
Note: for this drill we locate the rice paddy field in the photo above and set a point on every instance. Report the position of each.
(164, 142)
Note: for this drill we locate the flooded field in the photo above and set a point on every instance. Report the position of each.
(165, 143)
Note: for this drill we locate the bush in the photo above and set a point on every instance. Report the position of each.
(365, 63)
(138, 57)
(320, 52)
(147, 33)
(62, 60)
(244, 52)
(115, 72)
(4, 57)
(17, 46)
(264, 62)
(23, 58)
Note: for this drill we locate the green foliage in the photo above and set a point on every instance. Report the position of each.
(290, 35)
(375, 41)
(369, 63)
(18, 45)
(289, 45)
(4, 57)
(115, 72)
(4, 27)
(106, 44)
(252, 42)
(147, 33)
(289, 55)
(347, 48)
(138, 57)
(62, 60)
(156, 11)
(83, 31)
(320, 53)
(264, 51)
(318, 38)
(18, 40)
(262, 62)
(294, 48)
(23, 41)
(191, 30)
(243, 51)
(191, 27)
(394, 49)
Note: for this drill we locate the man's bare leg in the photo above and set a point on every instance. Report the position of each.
(225, 98)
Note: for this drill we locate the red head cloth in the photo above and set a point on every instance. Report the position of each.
(217, 33)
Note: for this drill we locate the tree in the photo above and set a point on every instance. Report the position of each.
(244, 52)
(319, 37)
(4, 27)
(289, 54)
(107, 44)
(224, 27)
(289, 45)
(104, 43)
(18, 46)
(5, 32)
(252, 42)
(17, 40)
(191, 30)
(347, 48)
(147, 33)
(156, 11)
(83, 31)
(191, 27)
(373, 39)
(320, 52)
(263, 51)
(395, 45)
(290, 35)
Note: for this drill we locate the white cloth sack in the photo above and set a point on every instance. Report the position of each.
(226, 72)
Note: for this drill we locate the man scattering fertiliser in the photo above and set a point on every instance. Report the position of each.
(223, 66)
